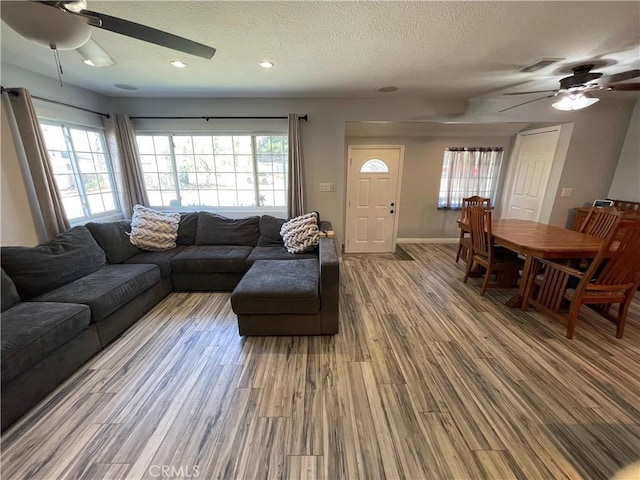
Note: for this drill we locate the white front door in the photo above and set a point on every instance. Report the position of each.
(372, 198)
(535, 152)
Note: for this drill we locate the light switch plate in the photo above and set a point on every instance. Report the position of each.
(325, 187)
(566, 192)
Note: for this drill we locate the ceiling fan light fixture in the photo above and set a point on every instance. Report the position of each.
(178, 64)
(266, 64)
(569, 102)
(86, 61)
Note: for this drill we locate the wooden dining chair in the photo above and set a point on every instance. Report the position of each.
(498, 261)
(600, 221)
(611, 278)
(465, 239)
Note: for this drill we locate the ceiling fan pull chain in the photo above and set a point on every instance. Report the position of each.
(56, 57)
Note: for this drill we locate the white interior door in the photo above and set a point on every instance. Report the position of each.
(535, 152)
(373, 179)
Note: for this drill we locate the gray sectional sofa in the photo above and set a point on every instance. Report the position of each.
(65, 300)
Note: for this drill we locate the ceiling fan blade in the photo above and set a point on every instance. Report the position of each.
(94, 54)
(524, 103)
(629, 87)
(152, 35)
(528, 93)
(622, 76)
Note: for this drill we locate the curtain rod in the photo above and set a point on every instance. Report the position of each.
(11, 91)
(304, 117)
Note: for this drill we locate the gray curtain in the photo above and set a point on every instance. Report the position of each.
(121, 140)
(295, 204)
(45, 199)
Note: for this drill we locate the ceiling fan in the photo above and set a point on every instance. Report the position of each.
(65, 25)
(574, 91)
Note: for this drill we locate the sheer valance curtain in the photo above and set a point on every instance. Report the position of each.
(467, 172)
(44, 197)
(295, 203)
(121, 140)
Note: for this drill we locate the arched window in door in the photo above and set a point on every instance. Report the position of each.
(375, 165)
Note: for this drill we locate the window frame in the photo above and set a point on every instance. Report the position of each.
(66, 127)
(226, 210)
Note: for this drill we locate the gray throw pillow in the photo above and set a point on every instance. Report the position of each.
(68, 257)
(187, 228)
(9, 293)
(216, 230)
(270, 231)
(113, 238)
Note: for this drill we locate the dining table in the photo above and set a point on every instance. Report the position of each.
(532, 239)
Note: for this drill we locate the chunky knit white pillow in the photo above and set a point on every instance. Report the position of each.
(153, 230)
(301, 234)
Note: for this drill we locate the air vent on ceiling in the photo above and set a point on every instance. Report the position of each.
(539, 64)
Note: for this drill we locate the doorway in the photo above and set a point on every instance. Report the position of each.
(374, 173)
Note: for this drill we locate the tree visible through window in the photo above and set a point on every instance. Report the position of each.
(82, 171)
(214, 170)
(468, 171)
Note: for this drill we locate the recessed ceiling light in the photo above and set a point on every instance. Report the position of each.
(266, 64)
(86, 61)
(178, 64)
(388, 89)
(124, 86)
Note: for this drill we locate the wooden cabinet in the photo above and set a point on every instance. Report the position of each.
(632, 210)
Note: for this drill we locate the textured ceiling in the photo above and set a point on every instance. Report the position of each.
(443, 50)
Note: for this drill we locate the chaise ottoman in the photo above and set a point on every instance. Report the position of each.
(279, 297)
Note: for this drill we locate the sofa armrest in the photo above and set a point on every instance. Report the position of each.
(329, 285)
(325, 225)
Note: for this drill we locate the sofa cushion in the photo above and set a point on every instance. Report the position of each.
(216, 230)
(270, 231)
(154, 230)
(113, 238)
(9, 293)
(106, 290)
(301, 234)
(277, 253)
(161, 259)
(211, 259)
(69, 256)
(278, 287)
(32, 330)
(187, 228)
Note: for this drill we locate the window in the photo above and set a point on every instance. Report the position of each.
(82, 171)
(468, 171)
(375, 165)
(235, 171)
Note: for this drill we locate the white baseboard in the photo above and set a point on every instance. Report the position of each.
(428, 240)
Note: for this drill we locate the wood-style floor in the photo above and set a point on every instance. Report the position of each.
(426, 380)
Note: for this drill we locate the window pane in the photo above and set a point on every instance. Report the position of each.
(226, 180)
(95, 142)
(66, 185)
(60, 162)
(73, 207)
(161, 144)
(209, 198)
(267, 199)
(280, 198)
(186, 163)
(167, 181)
(190, 198)
(242, 145)
(263, 145)
(80, 140)
(85, 163)
(202, 145)
(170, 199)
(109, 204)
(206, 180)
(182, 145)
(205, 163)
(164, 163)
(95, 204)
(148, 163)
(91, 183)
(145, 144)
(244, 181)
(224, 163)
(279, 181)
(155, 198)
(375, 165)
(228, 198)
(223, 144)
(244, 163)
(100, 163)
(53, 137)
(246, 198)
(105, 183)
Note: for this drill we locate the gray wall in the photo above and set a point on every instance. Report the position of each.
(589, 167)
(419, 216)
(626, 181)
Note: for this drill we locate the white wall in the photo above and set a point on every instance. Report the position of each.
(626, 181)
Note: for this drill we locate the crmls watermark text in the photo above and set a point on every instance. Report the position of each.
(174, 471)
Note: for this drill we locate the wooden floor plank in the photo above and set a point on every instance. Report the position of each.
(426, 380)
